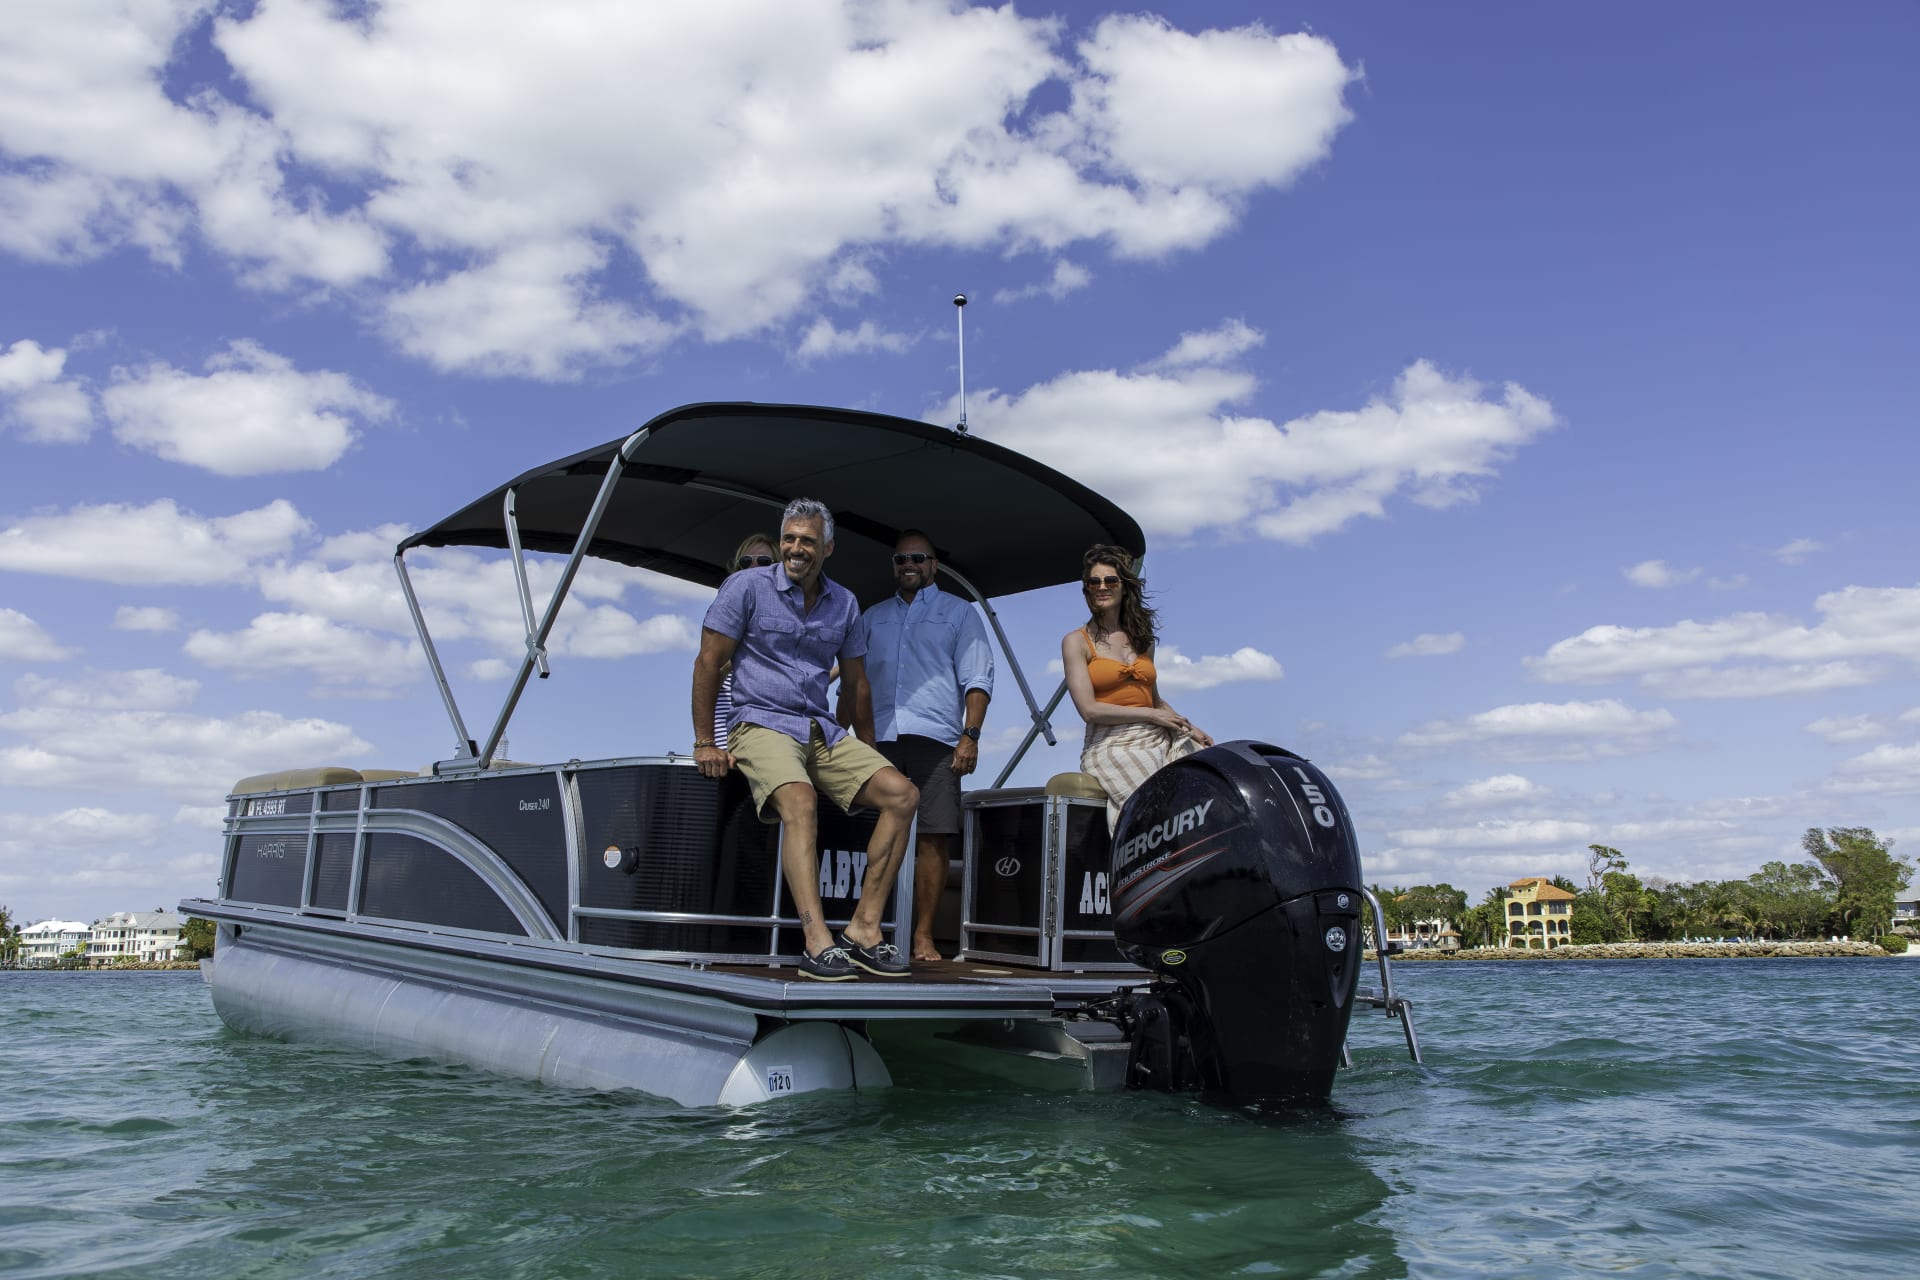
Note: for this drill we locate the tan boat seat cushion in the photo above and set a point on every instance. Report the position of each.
(296, 779)
(1081, 786)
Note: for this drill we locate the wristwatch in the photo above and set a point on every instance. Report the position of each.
(971, 731)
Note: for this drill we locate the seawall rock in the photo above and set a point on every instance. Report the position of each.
(1653, 951)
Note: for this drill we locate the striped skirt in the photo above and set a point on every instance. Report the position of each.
(1122, 756)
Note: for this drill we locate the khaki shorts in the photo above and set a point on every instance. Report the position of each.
(769, 760)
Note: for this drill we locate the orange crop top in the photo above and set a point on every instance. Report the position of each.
(1129, 685)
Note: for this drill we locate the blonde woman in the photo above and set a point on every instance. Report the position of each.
(1131, 731)
(754, 552)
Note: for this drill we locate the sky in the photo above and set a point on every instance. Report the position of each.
(1518, 399)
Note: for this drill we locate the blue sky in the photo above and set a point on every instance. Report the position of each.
(1518, 398)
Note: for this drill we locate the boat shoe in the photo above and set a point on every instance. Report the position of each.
(832, 965)
(882, 959)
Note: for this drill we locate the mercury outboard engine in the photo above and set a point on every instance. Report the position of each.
(1236, 881)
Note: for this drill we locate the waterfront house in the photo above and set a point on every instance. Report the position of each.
(1539, 915)
(42, 945)
(1431, 934)
(145, 937)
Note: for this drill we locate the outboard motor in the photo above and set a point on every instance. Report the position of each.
(1236, 881)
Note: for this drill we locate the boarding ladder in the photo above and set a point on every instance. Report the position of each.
(1383, 999)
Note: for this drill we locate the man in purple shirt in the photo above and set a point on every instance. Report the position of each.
(783, 626)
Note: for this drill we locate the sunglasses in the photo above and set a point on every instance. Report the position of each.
(1101, 583)
(911, 557)
(751, 562)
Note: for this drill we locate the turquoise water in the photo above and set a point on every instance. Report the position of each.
(1697, 1118)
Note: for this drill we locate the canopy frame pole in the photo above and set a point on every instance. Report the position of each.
(511, 516)
(1041, 724)
(536, 642)
(463, 744)
(1041, 718)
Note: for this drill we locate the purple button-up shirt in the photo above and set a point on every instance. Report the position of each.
(783, 653)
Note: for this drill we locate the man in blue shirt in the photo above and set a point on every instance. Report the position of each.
(931, 675)
(783, 626)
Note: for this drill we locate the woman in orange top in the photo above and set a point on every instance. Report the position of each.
(1131, 731)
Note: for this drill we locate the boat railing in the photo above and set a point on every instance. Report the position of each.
(401, 850)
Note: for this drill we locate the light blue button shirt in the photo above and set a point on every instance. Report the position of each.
(921, 660)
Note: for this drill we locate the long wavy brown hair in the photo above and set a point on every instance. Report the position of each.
(1137, 618)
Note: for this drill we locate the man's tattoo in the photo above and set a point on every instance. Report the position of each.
(806, 917)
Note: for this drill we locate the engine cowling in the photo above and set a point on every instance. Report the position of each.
(1236, 880)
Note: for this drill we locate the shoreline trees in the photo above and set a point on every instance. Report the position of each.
(1846, 888)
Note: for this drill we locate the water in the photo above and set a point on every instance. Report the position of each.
(1660, 1118)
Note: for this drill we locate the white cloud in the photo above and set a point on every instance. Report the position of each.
(85, 77)
(253, 413)
(1499, 833)
(24, 640)
(1749, 654)
(500, 182)
(194, 758)
(1797, 550)
(465, 596)
(1067, 277)
(531, 311)
(1177, 671)
(1759, 682)
(130, 617)
(1180, 461)
(1501, 789)
(1737, 807)
(1366, 768)
(147, 689)
(1211, 347)
(1429, 644)
(822, 339)
(335, 655)
(375, 544)
(154, 545)
(1886, 770)
(200, 817)
(74, 828)
(37, 401)
(606, 632)
(1631, 833)
(1658, 574)
(1548, 731)
(1860, 728)
(1224, 110)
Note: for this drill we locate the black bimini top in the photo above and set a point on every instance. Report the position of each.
(710, 474)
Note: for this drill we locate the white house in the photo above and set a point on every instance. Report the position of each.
(145, 936)
(42, 945)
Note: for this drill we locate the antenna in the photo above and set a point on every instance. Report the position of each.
(960, 320)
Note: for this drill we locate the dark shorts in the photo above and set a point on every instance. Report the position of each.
(928, 764)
